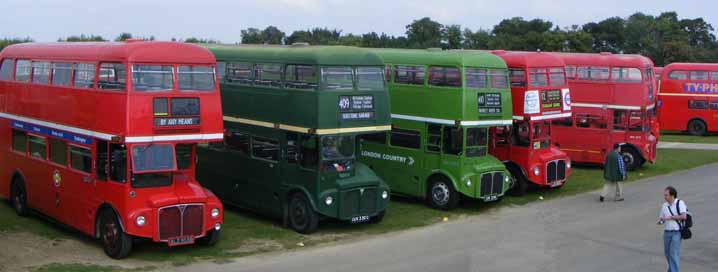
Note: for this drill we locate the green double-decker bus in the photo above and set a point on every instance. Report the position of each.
(442, 106)
(292, 115)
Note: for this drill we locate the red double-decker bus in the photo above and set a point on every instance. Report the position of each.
(613, 103)
(540, 94)
(101, 137)
(688, 98)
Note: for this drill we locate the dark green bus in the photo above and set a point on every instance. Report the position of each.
(292, 115)
(442, 106)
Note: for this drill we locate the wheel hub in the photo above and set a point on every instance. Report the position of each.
(440, 193)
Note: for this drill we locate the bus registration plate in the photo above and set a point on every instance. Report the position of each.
(184, 240)
(359, 219)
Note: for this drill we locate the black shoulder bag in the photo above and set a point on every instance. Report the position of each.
(684, 226)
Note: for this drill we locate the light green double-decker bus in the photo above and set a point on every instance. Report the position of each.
(442, 106)
(292, 117)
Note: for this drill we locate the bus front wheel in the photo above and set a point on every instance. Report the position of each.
(18, 197)
(302, 217)
(378, 218)
(697, 128)
(631, 158)
(116, 243)
(442, 194)
(521, 183)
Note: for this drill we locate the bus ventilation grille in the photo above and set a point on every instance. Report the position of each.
(556, 170)
(180, 220)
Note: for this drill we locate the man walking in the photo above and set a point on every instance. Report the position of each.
(673, 211)
(614, 172)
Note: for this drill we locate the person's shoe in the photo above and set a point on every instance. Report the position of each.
(619, 199)
(600, 198)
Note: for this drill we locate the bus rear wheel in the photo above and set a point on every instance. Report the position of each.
(631, 159)
(697, 128)
(442, 194)
(18, 197)
(116, 243)
(302, 217)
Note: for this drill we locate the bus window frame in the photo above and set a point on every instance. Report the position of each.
(128, 78)
(70, 146)
(424, 70)
(11, 68)
(29, 152)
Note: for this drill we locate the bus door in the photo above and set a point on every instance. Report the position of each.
(39, 176)
(592, 137)
(265, 174)
(300, 162)
(499, 144)
(402, 161)
(110, 173)
(78, 189)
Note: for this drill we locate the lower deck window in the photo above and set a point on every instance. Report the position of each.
(405, 138)
(81, 159)
(58, 151)
(19, 141)
(698, 104)
(37, 146)
(266, 149)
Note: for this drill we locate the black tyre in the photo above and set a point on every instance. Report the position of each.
(116, 243)
(302, 217)
(631, 158)
(377, 218)
(18, 197)
(521, 183)
(697, 128)
(211, 238)
(442, 194)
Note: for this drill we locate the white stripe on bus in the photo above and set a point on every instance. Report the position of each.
(607, 106)
(108, 137)
(452, 122)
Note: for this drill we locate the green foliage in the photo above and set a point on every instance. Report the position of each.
(8, 41)
(425, 33)
(270, 35)
(83, 38)
(200, 40)
(123, 37)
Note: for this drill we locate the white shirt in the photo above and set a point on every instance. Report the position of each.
(672, 224)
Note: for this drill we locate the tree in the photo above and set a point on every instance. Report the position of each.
(200, 40)
(123, 37)
(83, 38)
(251, 36)
(316, 36)
(272, 35)
(453, 37)
(10, 41)
(607, 35)
(424, 33)
(476, 40)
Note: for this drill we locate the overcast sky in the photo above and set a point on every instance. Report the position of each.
(48, 20)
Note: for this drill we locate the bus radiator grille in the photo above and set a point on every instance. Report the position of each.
(359, 201)
(491, 184)
(180, 220)
(556, 170)
(498, 182)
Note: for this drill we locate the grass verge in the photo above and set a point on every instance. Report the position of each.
(55, 267)
(245, 233)
(686, 138)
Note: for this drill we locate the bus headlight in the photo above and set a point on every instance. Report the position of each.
(384, 195)
(568, 164)
(507, 178)
(536, 171)
(468, 183)
(329, 200)
(217, 226)
(140, 220)
(214, 213)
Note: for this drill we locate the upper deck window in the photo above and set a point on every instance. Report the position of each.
(571, 72)
(444, 76)
(698, 75)
(499, 78)
(84, 75)
(303, 77)
(22, 70)
(338, 78)
(557, 77)
(592, 73)
(714, 75)
(152, 77)
(370, 78)
(239, 72)
(112, 76)
(61, 73)
(195, 78)
(538, 77)
(623, 74)
(409, 74)
(41, 72)
(678, 75)
(269, 75)
(476, 78)
(6, 69)
(517, 77)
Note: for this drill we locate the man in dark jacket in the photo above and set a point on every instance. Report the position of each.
(614, 172)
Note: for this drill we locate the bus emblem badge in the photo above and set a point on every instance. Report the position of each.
(56, 178)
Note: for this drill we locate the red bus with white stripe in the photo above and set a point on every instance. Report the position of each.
(101, 137)
(688, 98)
(613, 103)
(540, 94)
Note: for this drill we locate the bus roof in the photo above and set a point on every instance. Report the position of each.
(605, 59)
(132, 51)
(525, 59)
(691, 66)
(459, 58)
(297, 54)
